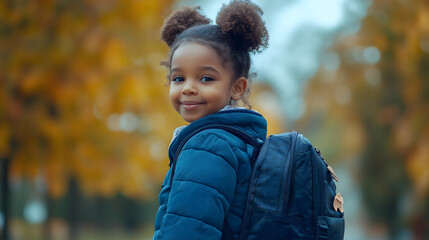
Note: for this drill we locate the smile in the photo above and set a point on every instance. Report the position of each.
(190, 105)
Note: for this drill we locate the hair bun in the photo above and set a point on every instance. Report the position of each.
(242, 22)
(179, 21)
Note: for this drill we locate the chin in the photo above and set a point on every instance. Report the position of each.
(190, 119)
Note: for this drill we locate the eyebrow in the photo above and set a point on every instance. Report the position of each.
(207, 68)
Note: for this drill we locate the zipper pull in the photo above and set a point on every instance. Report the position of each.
(338, 203)
(334, 176)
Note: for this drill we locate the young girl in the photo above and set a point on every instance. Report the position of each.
(208, 69)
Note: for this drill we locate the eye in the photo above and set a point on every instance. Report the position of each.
(178, 79)
(207, 79)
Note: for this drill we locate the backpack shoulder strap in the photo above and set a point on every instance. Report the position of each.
(246, 137)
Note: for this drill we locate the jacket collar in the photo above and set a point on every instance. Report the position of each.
(249, 120)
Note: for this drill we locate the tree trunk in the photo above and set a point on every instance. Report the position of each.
(5, 162)
(47, 225)
(73, 214)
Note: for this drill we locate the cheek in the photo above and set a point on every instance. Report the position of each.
(174, 99)
(173, 94)
(221, 94)
(227, 91)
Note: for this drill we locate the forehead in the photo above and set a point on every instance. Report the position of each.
(190, 54)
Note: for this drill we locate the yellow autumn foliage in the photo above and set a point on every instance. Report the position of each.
(67, 68)
(82, 94)
(384, 122)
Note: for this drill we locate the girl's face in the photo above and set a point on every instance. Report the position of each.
(199, 83)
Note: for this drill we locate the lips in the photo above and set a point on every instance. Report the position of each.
(189, 105)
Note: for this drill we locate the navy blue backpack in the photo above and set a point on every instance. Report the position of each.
(292, 193)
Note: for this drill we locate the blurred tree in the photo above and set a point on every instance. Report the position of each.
(82, 95)
(378, 110)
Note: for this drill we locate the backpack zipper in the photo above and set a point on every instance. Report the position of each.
(318, 192)
(287, 187)
(334, 176)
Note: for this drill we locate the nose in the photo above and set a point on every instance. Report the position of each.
(189, 88)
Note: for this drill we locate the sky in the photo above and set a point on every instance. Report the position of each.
(300, 35)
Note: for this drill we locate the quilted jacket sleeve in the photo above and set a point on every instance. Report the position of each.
(202, 189)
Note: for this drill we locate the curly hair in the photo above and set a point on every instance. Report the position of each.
(181, 20)
(239, 30)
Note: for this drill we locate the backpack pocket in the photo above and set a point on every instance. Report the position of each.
(272, 225)
(331, 228)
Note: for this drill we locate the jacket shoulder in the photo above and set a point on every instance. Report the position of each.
(216, 134)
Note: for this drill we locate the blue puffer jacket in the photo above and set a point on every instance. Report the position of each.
(211, 179)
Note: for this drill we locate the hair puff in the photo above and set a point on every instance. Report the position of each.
(242, 22)
(179, 21)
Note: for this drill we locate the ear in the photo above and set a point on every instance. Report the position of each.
(238, 88)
